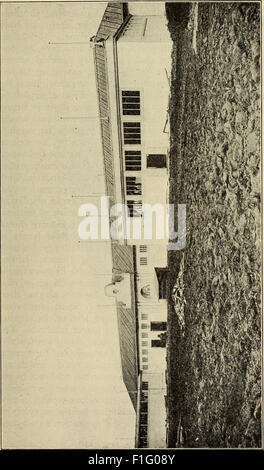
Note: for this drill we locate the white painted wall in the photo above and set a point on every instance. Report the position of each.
(144, 63)
(142, 66)
(146, 8)
(143, 60)
(156, 258)
(156, 406)
(157, 411)
(157, 356)
(154, 310)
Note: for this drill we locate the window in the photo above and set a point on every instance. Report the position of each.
(145, 291)
(133, 185)
(144, 407)
(158, 326)
(144, 335)
(143, 248)
(157, 343)
(143, 261)
(133, 160)
(143, 418)
(132, 133)
(131, 103)
(145, 367)
(144, 343)
(143, 442)
(145, 352)
(156, 160)
(144, 385)
(144, 326)
(134, 208)
(144, 316)
(144, 359)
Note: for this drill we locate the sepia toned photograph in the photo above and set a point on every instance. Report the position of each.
(131, 225)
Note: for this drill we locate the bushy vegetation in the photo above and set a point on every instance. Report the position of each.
(214, 363)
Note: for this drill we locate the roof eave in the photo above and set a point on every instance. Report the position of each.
(120, 30)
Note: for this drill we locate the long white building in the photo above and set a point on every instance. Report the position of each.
(132, 55)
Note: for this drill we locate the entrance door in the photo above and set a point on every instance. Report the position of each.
(162, 275)
(156, 160)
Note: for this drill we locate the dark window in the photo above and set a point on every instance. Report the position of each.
(132, 133)
(143, 418)
(143, 248)
(133, 185)
(143, 261)
(158, 326)
(143, 442)
(144, 396)
(144, 407)
(133, 160)
(157, 343)
(156, 160)
(131, 103)
(134, 208)
(144, 385)
(143, 429)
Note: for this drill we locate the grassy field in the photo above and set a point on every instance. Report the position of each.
(214, 317)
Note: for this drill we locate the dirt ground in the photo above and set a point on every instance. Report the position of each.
(214, 317)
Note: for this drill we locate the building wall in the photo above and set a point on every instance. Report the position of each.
(156, 408)
(152, 360)
(146, 8)
(153, 257)
(144, 63)
(147, 27)
(141, 61)
(150, 308)
(157, 411)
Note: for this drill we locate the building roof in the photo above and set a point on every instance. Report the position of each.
(123, 262)
(113, 19)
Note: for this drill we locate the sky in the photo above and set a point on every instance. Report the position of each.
(62, 384)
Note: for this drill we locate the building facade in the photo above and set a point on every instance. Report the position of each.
(132, 55)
